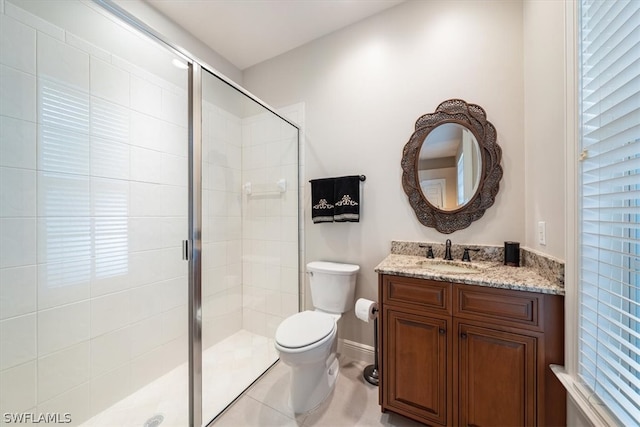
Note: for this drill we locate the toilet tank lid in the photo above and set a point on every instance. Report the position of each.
(332, 267)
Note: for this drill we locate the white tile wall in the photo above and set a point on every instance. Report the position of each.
(17, 291)
(61, 150)
(109, 159)
(18, 45)
(110, 312)
(146, 165)
(93, 177)
(107, 389)
(110, 121)
(63, 370)
(63, 195)
(18, 387)
(63, 326)
(109, 82)
(17, 143)
(175, 352)
(63, 282)
(146, 335)
(146, 301)
(60, 62)
(17, 94)
(18, 243)
(147, 368)
(34, 21)
(74, 401)
(17, 340)
(17, 192)
(146, 97)
(110, 350)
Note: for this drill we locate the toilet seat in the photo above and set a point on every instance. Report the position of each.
(304, 329)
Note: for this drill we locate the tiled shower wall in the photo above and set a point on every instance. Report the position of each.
(93, 205)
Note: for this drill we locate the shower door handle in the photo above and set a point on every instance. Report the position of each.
(186, 250)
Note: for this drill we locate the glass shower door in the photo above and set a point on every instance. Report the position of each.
(249, 239)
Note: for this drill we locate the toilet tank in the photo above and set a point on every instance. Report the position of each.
(333, 285)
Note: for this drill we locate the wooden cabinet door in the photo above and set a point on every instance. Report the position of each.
(416, 366)
(496, 379)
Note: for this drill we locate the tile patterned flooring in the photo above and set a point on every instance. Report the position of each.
(353, 402)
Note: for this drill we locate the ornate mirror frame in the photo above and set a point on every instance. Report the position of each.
(474, 118)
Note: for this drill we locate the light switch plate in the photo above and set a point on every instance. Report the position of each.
(542, 232)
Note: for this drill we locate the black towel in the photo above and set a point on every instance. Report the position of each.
(322, 195)
(347, 199)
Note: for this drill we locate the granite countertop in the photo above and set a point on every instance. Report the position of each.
(493, 274)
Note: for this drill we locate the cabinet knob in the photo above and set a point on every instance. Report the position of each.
(463, 335)
(442, 331)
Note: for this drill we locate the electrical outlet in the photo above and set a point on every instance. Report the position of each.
(542, 232)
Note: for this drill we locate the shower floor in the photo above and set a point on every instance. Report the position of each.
(228, 368)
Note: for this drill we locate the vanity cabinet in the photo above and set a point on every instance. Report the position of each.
(467, 355)
(496, 377)
(418, 353)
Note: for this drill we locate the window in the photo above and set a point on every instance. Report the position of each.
(609, 205)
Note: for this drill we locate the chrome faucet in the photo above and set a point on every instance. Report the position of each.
(447, 250)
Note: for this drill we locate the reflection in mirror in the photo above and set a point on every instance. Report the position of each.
(449, 166)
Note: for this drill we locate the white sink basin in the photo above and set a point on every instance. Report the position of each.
(454, 267)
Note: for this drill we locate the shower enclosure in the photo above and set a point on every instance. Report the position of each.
(149, 233)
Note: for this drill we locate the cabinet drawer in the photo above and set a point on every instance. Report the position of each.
(513, 307)
(417, 292)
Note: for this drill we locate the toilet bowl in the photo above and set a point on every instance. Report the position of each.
(311, 356)
(306, 341)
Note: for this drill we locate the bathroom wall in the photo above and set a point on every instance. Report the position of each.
(365, 86)
(544, 134)
(93, 186)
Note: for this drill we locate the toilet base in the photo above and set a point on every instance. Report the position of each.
(310, 386)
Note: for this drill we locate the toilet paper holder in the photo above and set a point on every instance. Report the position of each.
(370, 372)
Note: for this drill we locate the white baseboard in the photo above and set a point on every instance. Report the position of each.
(356, 350)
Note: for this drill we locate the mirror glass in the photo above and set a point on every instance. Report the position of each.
(449, 166)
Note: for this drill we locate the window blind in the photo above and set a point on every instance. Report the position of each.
(609, 314)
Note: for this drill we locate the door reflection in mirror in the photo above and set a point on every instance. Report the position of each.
(449, 166)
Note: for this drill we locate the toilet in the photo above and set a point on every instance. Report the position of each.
(307, 341)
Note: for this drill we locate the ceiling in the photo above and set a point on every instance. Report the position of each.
(247, 32)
